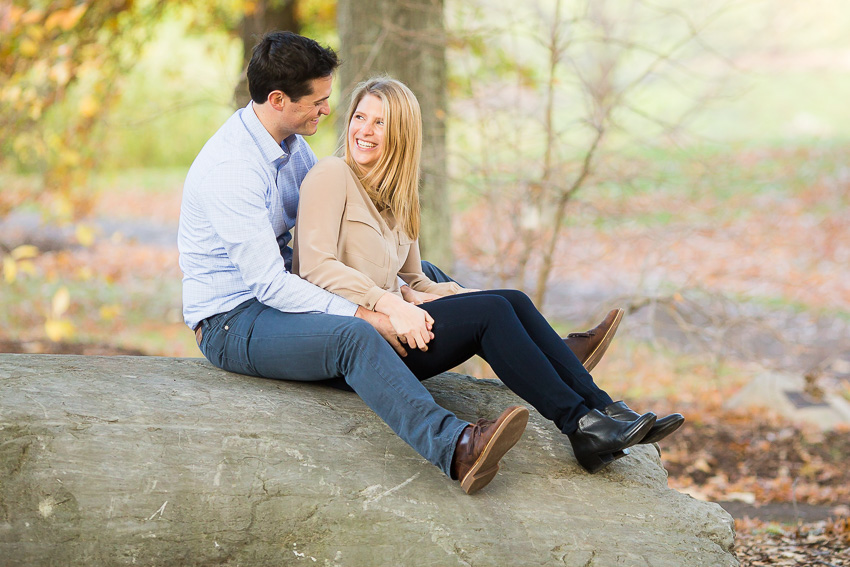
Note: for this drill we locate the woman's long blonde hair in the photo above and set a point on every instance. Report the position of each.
(394, 180)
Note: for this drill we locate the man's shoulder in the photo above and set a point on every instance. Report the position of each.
(231, 141)
(231, 151)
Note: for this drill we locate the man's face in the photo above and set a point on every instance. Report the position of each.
(302, 116)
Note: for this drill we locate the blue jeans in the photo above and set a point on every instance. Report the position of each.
(435, 274)
(261, 341)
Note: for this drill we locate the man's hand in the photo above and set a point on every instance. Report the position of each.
(382, 324)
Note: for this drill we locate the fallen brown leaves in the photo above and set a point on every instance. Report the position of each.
(725, 456)
(821, 543)
(724, 453)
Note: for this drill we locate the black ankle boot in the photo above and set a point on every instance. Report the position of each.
(663, 427)
(600, 440)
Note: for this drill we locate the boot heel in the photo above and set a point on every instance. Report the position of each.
(600, 440)
(595, 462)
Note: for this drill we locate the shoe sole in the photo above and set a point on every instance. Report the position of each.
(662, 432)
(602, 460)
(597, 354)
(510, 431)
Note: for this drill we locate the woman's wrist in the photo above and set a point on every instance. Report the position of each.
(388, 303)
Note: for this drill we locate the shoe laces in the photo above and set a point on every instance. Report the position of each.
(481, 423)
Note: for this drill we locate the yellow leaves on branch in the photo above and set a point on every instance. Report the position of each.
(85, 235)
(19, 260)
(59, 330)
(28, 48)
(89, 106)
(60, 303)
(10, 269)
(110, 312)
(56, 328)
(25, 252)
(58, 57)
(250, 8)
(62, 18)
(65, 19)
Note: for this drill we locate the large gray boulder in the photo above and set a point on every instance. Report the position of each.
(159, 461)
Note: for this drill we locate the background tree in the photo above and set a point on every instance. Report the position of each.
(260, 17)
(568, 124)
(406, 39)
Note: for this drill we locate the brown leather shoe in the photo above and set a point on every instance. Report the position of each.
(591, 345)
(481, 446)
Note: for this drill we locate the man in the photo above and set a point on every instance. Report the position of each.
(252, 316)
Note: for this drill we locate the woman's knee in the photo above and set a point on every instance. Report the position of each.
(517, 298)
(493, 306)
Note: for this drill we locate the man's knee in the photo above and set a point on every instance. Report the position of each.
(359, 333)
(360, 346)
(434, 273)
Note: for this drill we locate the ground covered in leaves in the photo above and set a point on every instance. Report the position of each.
(728, 456)
(797, 476)
(819, 543)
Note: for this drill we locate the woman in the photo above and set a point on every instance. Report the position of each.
(358, 224)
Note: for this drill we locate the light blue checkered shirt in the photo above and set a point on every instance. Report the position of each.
(240, 201)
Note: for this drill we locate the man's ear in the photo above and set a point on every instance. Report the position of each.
(277, 99)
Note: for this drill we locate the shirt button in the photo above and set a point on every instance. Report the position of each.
(227, 327)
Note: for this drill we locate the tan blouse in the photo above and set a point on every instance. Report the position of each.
(346, 246)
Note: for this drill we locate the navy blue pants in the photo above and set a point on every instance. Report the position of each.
(508, 331)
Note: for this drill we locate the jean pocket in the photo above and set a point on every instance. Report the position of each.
(212, 342)
(235, 354)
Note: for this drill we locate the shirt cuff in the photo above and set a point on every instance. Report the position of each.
(341, 306)
(371, 297)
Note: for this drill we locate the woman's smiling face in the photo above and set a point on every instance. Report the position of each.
(366, 132)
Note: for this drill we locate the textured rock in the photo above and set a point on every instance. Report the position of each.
(157, 461)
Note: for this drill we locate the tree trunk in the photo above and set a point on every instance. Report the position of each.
(268, 15)
(406, 40)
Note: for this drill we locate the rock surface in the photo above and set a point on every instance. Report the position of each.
(158, 461)
(786, 394)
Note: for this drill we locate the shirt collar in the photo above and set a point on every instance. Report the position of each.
(293, 144)
(265, 142)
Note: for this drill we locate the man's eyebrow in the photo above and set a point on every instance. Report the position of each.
(322, 99)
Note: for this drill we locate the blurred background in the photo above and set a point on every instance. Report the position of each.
(684, 160)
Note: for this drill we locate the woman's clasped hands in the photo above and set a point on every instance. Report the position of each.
(411, 323)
